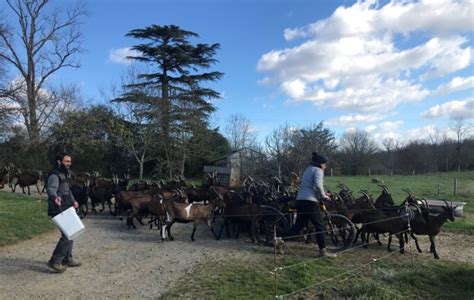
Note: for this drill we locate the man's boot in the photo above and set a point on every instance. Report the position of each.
(324, 253)
(71, 264)
(58, 268)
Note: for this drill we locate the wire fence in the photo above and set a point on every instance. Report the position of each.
(277, 269)
(330, 230)
(374, 260)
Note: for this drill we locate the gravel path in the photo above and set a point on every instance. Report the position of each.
(116, 262)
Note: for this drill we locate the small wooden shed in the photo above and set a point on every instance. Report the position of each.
(232, 168)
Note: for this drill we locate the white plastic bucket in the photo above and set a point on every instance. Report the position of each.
(69, 223)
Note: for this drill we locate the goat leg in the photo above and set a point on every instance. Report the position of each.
(401, 242)
(237, 230)
(194, 230)
(222, 227)
(433, 247)
(416, 242)
(130, 222)
(139, 219)
(376, 237)
(389, 243)
(359, 230)
(168, 228)
(209, 224)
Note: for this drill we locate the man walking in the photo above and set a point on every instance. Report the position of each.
(60, 198)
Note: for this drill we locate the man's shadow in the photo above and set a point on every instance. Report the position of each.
(15, 265)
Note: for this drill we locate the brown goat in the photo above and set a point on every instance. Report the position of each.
(190, 212)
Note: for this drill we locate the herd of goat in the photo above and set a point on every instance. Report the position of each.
(173, 201)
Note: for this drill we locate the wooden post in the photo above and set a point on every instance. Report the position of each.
(455, 185)
(438, 189)
(331, 172)
(275, 270)
(369, 172)
(413, 173)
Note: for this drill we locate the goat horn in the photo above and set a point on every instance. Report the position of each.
(365, 193)
(408, 192)
(446, 202)
(426, 204)
(385, 188)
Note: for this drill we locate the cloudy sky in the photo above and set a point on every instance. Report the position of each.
(394, 68)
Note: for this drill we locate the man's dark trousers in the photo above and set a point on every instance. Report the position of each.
(63, 251)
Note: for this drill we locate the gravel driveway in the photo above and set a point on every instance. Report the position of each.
(116, 262)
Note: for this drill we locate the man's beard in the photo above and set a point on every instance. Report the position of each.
(62, 166)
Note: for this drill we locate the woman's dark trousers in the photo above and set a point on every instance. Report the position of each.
(309, 211)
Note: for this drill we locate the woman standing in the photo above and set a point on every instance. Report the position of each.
(308, 200)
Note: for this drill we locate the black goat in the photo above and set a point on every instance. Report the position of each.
(430, 225)
(26, 178)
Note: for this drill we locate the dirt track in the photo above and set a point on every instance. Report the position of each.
(116, 262)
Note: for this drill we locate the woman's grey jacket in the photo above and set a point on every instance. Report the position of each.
(311, 188)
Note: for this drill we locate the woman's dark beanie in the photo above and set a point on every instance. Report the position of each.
(318, 159)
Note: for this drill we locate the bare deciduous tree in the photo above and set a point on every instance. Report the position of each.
(135, 129)
(44, 41)
(358, 148)
(279, 145)
(461, 129)
(240, 133)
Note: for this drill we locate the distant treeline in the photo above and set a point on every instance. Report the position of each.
(98, 142)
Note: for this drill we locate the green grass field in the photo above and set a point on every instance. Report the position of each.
(351, 276)
(22, 217)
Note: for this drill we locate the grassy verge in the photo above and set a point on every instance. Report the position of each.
(22, 217)
(394, 278)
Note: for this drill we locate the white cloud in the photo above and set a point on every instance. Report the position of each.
(390, 126)
(366, 17)
(461, 109)
(355, 118)
(455, 85)
(353, 60)
(370, 128)
(119, 56)
(295, 88)
(419, 134)
(388, 129)
(391, 130)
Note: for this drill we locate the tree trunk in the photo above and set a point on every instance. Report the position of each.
(140, 174)
(459, 156)
(183, 161)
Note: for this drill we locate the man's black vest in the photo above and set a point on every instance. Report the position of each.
(63, 191)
